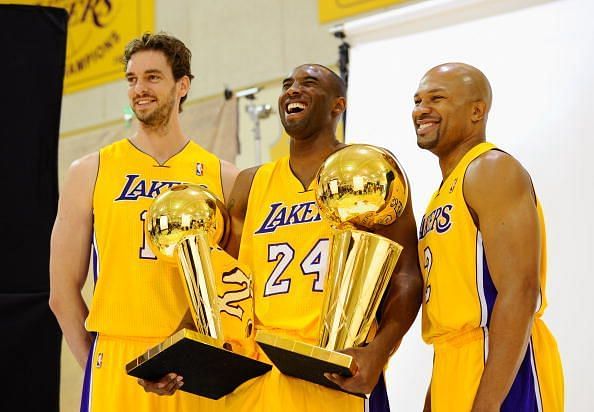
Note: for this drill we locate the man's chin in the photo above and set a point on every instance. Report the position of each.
(147, 120)
(142, 115)
(426, 143)
(293, 128)
(150, 121)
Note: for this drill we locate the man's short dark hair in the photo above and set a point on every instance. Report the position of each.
(177, 54)
(340, 86)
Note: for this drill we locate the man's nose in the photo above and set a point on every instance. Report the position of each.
(293, 90)
(420, 108)
(140, 87)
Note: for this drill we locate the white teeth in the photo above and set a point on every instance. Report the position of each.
(292, 106)
(425, 125)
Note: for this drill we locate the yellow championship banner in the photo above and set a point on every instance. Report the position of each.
(330, 10)
(98, 30)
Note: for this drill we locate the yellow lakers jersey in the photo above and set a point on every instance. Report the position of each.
(459, 291)
(136, 294)
(285, 244)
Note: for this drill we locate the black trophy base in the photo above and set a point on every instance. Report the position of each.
(208, 370)
(304, 361)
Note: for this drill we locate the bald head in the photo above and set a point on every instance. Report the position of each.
(473, 81)
(451, 108)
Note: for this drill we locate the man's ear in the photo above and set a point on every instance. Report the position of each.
(339, 106)
(479, 111)
(184, 86)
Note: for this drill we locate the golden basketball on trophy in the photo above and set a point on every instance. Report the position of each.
(357, 187)
(183, 225)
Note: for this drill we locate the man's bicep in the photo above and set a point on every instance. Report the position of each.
(403, 298)
(404, 232)
(237, 208)
(238, 199)
(229, 174)
(71, 234)
(70, 251)
(507, 219)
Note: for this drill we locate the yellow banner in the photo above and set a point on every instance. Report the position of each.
(98, 30)
(330, 10)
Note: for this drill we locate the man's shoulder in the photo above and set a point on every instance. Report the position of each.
(194, 146)
(86, 162)
(116, 147)
(489, 164)
(266, 170)
(495, 175)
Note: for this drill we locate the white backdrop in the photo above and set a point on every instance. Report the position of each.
(539, 57)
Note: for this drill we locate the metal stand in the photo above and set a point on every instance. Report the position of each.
(257, 112)
(343, 58)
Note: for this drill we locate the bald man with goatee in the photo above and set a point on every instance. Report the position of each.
(483, 255)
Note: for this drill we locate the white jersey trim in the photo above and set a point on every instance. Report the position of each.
(535, 376)
(479, 280)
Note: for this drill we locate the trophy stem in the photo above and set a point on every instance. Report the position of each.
(359, 270)
(199, 284)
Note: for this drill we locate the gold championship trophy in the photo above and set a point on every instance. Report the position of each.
(182, 226)
(359, 186)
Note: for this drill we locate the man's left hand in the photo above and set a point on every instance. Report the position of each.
(369, 367)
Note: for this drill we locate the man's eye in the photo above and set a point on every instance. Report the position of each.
(434, 98)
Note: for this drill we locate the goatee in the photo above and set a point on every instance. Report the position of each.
(160, 116)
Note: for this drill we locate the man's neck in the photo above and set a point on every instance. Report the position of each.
(161, 142)
(448, 161)
(307, 155)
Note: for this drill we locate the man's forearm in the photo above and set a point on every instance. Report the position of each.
(509, 333)
(399, 312)
(80, 342)
(71, 318)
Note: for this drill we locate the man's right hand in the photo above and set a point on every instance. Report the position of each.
(167, 385)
